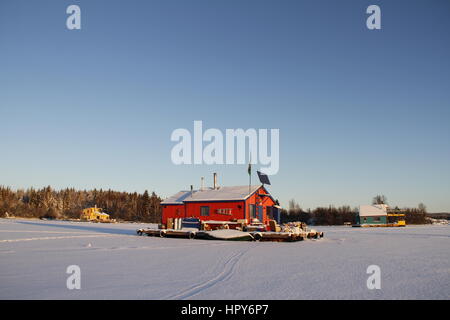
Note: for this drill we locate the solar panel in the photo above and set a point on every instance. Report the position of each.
(263, 178)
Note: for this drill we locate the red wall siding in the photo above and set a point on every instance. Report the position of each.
(172, 211)
(259, 201)
(237, 210)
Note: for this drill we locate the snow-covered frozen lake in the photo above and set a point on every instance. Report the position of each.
(117, 264)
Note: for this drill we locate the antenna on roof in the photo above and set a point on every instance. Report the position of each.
(215, 186)
(263, 178)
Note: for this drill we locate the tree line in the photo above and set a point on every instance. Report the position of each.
(69, 203)
(319, 216)
(345, 214)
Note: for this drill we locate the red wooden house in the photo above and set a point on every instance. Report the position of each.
(222, 204)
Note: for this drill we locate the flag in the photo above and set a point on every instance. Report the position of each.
(249, 168)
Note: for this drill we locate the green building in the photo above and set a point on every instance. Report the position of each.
(373, 214)
(380, 215)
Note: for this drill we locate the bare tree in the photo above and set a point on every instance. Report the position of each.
(422, 208)
(291, 204)
(379, 199)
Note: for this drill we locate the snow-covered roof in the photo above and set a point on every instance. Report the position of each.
(210, 194)
(177, 198)
(373, 210)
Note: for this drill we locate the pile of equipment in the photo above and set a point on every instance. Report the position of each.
(239, 230)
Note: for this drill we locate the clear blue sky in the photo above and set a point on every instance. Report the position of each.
(360, 112)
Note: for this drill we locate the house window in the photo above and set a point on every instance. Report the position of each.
(204, 211)
(377, 219)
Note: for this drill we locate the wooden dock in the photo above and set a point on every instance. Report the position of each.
(236, 236)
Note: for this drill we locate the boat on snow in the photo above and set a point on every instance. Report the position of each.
(225, 234)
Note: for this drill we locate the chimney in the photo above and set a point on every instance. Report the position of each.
(215, 181)
(202, 183)
(192, 190)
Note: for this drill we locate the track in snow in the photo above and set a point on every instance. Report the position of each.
(225, 274)
(56, 238)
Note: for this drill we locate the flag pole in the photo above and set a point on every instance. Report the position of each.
(249, 173)
(250, 183)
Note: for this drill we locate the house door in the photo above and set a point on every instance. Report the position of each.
(259, 210)
(276, 214)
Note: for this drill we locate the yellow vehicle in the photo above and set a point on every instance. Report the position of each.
(94, 214)
(396, 219)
